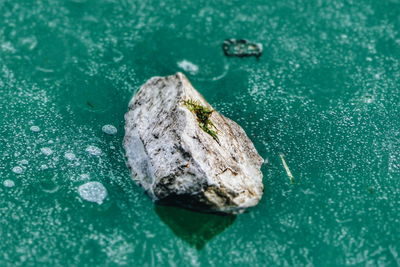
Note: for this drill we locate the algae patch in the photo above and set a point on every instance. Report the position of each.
(203, 115)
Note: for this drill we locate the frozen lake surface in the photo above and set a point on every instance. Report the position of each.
(324, 96)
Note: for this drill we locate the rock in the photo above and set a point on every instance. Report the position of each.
(184, 153)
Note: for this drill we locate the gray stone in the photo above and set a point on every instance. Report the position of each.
(177, 162)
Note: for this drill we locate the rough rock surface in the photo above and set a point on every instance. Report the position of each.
(177, 162)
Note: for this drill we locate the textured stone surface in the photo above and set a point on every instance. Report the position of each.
(176, 162)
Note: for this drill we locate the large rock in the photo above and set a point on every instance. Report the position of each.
(183, 154)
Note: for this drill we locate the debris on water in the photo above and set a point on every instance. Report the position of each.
(46, 151)
(93, 192)
(17, 170)
(8, 183)
(35, 128)
(70, 156)
(188, 66)
(241, 48)
(288, 172)
(93, 150)
(109, 129)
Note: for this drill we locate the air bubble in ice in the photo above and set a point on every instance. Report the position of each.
(46, 151)
(44, 167)
(93, 150)
(35, 128)
(29, 42)
(109, 129)
(188, 66)
(70, 156)
(23, 162)
(8, 183)
(93, 192)
(84, 176)
(17, 170)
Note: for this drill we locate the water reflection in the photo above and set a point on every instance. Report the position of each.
(195, 228)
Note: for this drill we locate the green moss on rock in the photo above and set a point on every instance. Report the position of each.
(203, 115)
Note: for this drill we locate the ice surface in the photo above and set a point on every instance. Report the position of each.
(325, 93)
(93, 192)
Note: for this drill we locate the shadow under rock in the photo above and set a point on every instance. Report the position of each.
(195, 228)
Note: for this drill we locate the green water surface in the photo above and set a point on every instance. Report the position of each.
(325, 93)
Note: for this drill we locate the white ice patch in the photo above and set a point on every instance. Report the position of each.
(188, 66)
(46, 151)
(93, 150)
(70, 156)
(35, 128)
(8, 183)
(17, 170)
(93, 192)
(109, 129)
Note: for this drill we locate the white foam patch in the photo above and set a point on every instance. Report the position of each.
(93, 150)
(17, 170)
(109, 129)
(46, 151)
(8, 183)
(188, 66)
(35, 128)
(93, 192)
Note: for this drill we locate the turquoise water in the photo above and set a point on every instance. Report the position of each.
(325, 94)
